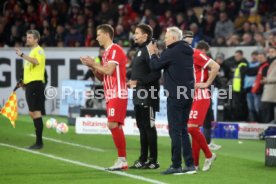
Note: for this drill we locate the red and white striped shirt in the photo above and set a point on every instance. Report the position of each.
(201, 72)
(115, 84)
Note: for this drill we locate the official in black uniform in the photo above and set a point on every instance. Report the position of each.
(145, 84)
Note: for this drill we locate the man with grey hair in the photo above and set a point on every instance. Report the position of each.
(177, 62)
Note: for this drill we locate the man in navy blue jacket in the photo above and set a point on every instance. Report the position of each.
(177, 62)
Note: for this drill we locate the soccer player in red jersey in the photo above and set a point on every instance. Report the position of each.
(112, 71)
(206, 70)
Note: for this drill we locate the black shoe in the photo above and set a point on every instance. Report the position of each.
(172, 170)
(189, 170)
(138, 165)
(36, 146)
(152, 165)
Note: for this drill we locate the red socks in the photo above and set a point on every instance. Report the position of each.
(119, 141)
(198, 142)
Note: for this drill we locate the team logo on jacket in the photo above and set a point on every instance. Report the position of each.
(139, 53)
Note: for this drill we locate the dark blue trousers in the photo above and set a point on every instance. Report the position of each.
(178, 114)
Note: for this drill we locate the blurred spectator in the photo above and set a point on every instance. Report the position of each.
(240, 20)
(234, 40)
(43, 9)
(247, 40)
(60, 34)
(271, 24)
(197, 34)
(146, 16)
(121, 36)
(107, 13)
(90, 39)
(219, 59)
(81, 24)
(191, 17)
(271, 54)
(224, 27)
(257, 87)
(259, 39)
(160, 7)
(253, 100)
(14, 37)
(73, 12)
(47, 39)
(130, 56)
(271, 39)
(155, 27)
(219, 42)
(268, 106)
(239, 103)
(208, 27)
(73, 38)
(166, 20)
(31, 15)
(254, 17)
(246, 28)
(127, 15)
(180, 21)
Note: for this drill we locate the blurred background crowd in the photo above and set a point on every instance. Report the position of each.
(72, 23)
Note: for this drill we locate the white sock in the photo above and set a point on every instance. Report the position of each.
(122, 158)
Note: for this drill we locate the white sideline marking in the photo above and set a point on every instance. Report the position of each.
(71, 144)
(83, 164)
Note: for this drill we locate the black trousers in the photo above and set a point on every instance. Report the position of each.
(145, 118)
(207, 126)
(178, 114)
(267, 112)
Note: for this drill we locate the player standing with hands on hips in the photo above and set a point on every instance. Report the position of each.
(113, 73)
(33, 80)
(203, 78)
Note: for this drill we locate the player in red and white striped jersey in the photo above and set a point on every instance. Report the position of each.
(115, 84)
(112, 71)
(201, 103)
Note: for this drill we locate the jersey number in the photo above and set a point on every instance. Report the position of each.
(111, 112)
(193, 114)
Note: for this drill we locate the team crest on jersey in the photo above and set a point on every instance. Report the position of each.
(139, 53)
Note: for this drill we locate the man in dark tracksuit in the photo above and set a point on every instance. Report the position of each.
(143, 78)
(177, 62)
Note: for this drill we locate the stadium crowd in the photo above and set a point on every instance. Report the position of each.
(72, 23)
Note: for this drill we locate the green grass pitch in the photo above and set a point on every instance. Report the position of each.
(236, 163)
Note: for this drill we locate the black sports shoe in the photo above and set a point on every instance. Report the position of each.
(152, 165)
(138, 165)
(36, 146)
(172, 170)
(189, 170)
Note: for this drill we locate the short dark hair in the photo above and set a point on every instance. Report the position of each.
(273, 47)
(203, 45)
(146, 29)
(239, 51)
(106, 28)
(35, 33)
(188, 34)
